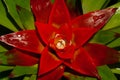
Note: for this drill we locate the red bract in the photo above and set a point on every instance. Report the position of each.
(17, 57)
(62, 42)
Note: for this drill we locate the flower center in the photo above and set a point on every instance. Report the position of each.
(61, 44)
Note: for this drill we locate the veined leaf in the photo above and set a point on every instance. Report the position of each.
(91, 5)
(26, 17)
(23, 70)
(106, 73)
(11, 6)
(115, 19)
(4, 20)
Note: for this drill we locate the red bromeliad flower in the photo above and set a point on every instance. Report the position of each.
(62, 41)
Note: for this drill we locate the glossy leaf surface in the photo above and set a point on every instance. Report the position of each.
(23, 40)
(96, 19)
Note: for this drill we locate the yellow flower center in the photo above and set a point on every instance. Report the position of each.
(61, 44)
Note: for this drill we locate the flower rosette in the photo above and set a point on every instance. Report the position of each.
(62, 40)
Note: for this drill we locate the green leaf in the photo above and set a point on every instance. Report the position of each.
(2, 9)
(116, 29)
(2, 49)
(3, 58)
(26, 18)
(90, 78)
(103, 37)
(11, 6)
(23, 70)
(33, 77)
(117, 5)
(116, 70)
(106, 73)
(77, 77)
(4, 20)
(115, 43)
(23, 3)
(73, 77)
(26, 78)
(5, 68)
(91, 5)
(5, 78)
(115, 19)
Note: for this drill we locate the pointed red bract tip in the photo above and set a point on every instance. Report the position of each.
(96, 19)
(59, 14)
(24, 40)
(41, 9)
(48, 62)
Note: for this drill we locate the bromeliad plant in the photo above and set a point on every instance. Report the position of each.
(61, 38)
